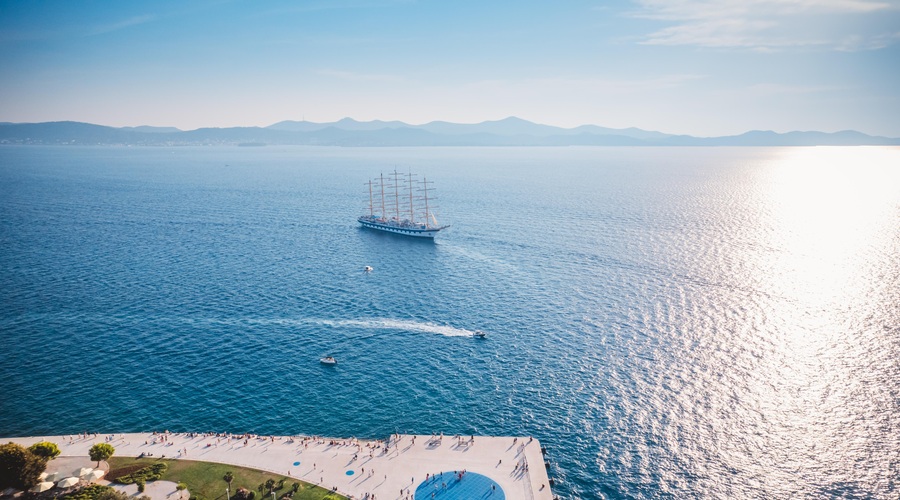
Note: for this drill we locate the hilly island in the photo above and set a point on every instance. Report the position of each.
(510, 131)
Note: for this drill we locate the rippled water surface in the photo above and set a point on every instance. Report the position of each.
(691, 322)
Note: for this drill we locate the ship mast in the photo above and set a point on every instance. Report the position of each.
(396, 196)
(383, 216)
(412, 210)
(425, 191)
(371, 206)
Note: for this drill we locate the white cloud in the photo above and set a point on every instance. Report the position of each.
(855, 43)
(769, 24)
(127, 23)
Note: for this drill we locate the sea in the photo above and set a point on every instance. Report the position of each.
(668, 322)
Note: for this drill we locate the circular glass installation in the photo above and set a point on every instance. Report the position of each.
(458, 485)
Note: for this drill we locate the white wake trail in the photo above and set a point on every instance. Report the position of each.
(372, 324)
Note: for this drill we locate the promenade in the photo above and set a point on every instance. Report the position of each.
(400, 467)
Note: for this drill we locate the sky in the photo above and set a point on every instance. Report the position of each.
(698, 67)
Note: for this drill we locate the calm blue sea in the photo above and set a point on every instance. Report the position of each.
(686, 322)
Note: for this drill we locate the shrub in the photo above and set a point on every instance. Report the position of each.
(149, 473)
(95, 492)
(141, 485)
(113, 494)
(19, 467)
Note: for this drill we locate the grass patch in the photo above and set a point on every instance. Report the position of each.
(204, 479)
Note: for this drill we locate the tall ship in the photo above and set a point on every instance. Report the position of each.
(401, 204)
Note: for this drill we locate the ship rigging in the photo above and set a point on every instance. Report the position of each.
(401, 204)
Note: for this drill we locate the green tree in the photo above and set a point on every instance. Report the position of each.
(45, 449)
(228, 477)
(181, 487)
(19, 467)
(101, 451)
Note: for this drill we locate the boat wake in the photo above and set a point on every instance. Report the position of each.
(366, 324)
(401, 325)
(371, 324)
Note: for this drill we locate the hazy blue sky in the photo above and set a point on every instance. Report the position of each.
(701, 67)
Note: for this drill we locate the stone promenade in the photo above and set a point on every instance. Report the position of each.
(393, 468)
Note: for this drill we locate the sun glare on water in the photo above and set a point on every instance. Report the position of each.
(829, 208)
(831, 218)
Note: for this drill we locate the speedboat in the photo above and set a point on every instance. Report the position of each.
(367, 269)
(479, 334)
(328, 360)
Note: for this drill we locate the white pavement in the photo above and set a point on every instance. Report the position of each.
(383, 468)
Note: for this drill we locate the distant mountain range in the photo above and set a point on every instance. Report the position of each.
(348, 132)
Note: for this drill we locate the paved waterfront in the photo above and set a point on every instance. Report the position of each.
(395, 468)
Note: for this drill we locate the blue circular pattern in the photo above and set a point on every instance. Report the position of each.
(350, 472)
(296, 463)
(449, 486)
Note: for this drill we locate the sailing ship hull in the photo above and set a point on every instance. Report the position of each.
(415, 232)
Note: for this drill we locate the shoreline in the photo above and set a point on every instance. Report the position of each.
(355, 467)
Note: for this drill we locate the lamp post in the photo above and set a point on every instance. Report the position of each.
(227, 493)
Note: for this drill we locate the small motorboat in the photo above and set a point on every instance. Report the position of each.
(479, 334)
(367, 269)
(328, 360)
